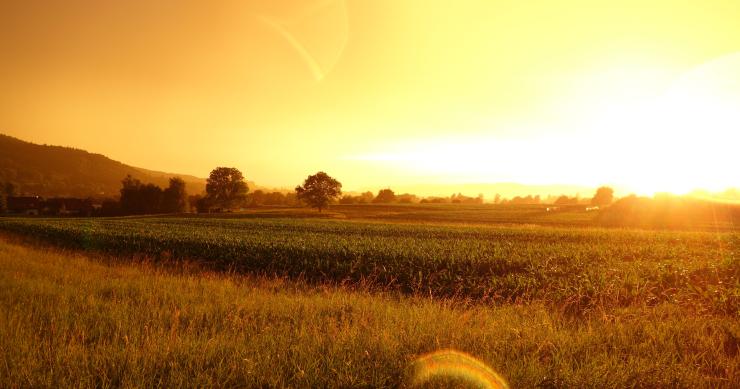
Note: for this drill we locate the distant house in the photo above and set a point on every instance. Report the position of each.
(25, 205)
(68, 207)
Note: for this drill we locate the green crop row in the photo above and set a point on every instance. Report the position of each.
(575, 269)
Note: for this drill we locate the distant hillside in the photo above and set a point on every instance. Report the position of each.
(64, 171)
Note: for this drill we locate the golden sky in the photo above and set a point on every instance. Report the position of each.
(643, 95)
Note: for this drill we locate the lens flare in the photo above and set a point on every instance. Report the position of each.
(455, 364)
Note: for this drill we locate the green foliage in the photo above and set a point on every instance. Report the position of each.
(577, 270)
(319, 190)
(226, 188)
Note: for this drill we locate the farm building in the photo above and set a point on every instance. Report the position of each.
(68, 206)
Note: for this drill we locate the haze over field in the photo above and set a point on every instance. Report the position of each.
(370, 193)
(407, 94)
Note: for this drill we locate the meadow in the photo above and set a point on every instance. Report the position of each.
(246, 300)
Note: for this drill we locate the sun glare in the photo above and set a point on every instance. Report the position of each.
(633, 127)
(685, 137)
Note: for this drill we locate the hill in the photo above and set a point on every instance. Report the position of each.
(64, 171)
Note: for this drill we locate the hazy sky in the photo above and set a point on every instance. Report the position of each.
(639, 94)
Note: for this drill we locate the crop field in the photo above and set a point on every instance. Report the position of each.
(574, 269)
(673, 214)
(570, 216)
(306, 302)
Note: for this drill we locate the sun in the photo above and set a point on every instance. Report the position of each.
(628, 130)
(680, 139)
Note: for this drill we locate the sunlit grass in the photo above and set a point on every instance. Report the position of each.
(69, 320)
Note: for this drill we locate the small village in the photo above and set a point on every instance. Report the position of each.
(54, 206)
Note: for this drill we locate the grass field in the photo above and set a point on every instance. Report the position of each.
(309, 302)
(75, 320)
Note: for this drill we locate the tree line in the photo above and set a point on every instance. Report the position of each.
(7, 189)
(227, 190)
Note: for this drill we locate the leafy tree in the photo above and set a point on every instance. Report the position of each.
(385, 196)
(274, 198)
(347, 199)
(257, 198)
(138, 198)
(319, 190)
(604, 196)
(366, 197)
(131, 201)
(151, 199)
(291, 199)
(565, 200)
(4, 193)
(407, 198)
(175, 198)
(198, 204)
(226, 188)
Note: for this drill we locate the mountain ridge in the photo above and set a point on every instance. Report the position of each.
(48, 170)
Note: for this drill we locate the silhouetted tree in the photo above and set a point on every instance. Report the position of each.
(562, 200)
(319, 190)
(435, 200)
(151, 199)
(9, 189)
(198, 204)
(138, 198)
(385, 196)
(175, 198)
(4, 194)
(193, 203)
(257, 198)
(604, 196)
(347, 199)
(407, 198)
(275, 198)
(226, 188)
(131, 200)
(366, 197)
(110, 207)
(460, 198)
(291, 199)
(565, 200)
